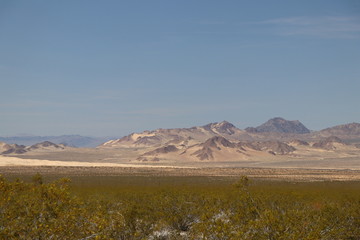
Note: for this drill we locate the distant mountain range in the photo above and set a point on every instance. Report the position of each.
(276, 139)
(70, 140)
(225, 141)
(20, 149)
(277, 129)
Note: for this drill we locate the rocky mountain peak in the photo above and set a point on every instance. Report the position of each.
(223, 127)
(280, 125)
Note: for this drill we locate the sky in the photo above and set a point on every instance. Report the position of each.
(110, 68)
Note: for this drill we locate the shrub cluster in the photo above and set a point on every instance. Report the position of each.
(38, 210)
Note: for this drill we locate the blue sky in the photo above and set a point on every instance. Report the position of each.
(109, 68)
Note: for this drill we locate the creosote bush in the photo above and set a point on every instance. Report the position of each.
(168, 210)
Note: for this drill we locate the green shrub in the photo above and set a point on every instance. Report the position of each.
(164, 210)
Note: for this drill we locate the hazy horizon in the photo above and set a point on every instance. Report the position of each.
(112, 68)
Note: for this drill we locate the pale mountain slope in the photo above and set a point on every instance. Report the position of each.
(185, 136)
(218, 149)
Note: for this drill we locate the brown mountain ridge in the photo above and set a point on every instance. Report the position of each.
(275, 129)
(274, 142)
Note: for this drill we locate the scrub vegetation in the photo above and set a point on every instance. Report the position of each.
(177, 208)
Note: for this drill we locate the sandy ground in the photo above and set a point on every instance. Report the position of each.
(19, 166)
(304, 159)
(14, 161)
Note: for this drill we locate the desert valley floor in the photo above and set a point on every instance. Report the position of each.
(322, 166)
(285, 149)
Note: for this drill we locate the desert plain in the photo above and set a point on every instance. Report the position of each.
(278, 149)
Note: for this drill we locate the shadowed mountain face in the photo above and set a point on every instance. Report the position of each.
(273, 147)
(280, 125)
(298, 142)
(213, 144)
(11, 148)
(218, 142)
(329, 143)
(166, 149)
